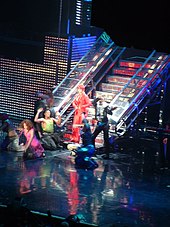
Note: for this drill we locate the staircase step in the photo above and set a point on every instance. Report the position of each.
(122, 81)
(108, 87)
(133, 64)
(108, 96)
(127, 71)
(118, 79)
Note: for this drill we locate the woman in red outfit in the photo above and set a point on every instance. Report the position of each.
(81, 103)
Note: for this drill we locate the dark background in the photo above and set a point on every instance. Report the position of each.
(141, 24)
(24, 16)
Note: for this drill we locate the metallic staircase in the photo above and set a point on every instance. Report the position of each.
(89, 70)
(127, 78)
(145, 82)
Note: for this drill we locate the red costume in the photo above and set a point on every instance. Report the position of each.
(80, 104)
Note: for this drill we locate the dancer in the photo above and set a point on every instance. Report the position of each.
(51, 139)
(32, 147)
(81, 103)
(83, 153)
(11, 141)
(46, 101)
(102, 110)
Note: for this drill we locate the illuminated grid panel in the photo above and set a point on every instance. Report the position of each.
(80, 46)
(57, 49)
(83, 12)
(67, 51)
(19, 81)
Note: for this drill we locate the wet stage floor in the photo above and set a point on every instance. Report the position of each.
(127, 190)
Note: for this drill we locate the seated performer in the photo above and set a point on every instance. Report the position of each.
(83, 153)
(46, 101)
(32, 147)
(11, 141)
(51, 140)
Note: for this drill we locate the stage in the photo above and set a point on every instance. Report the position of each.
(128, 190)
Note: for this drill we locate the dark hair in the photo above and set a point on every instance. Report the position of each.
(49, 93)
(47, 110)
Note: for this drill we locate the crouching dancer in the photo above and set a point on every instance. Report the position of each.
(32, 147)
(11, 141)
(84, 153)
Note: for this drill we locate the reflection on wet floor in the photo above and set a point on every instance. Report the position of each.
(129, 189)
